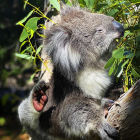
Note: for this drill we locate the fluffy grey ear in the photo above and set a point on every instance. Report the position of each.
(65, 57)
(67, 9)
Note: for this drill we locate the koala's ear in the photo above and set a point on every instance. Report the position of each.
(63, 54)
(67, 9)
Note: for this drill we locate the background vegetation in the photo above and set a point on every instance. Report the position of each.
(20, 47)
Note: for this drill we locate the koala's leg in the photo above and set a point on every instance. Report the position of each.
(84, 117)
(39, 96)
(80, 117)
(106, 105)
(107, 132)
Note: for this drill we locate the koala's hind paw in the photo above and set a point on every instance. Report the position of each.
(39, 96)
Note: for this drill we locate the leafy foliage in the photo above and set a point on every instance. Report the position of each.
(124, 62)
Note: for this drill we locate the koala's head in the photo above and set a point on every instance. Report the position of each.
(81, 38)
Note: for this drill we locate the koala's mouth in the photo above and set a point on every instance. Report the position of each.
(113, 44)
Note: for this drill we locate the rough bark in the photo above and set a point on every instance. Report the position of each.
(124, 115)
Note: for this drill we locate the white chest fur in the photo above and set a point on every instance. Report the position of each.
(93, 82)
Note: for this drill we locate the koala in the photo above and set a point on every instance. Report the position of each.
(70, 106)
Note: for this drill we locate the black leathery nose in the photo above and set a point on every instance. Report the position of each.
(119, 27)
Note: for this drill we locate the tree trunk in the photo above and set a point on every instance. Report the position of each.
(124, 115)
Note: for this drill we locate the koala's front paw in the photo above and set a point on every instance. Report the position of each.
(39, 96)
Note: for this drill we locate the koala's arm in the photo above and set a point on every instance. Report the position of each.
(28, 116)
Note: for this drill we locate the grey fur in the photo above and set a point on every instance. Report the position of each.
(79, 47)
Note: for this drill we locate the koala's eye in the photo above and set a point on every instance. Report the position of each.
(100, 31)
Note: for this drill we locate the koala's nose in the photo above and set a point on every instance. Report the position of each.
(119, 28)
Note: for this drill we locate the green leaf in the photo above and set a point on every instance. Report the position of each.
(109, 62)
(99, 7)
(132, 28)
(23, 43)
(82, 2)
(135, 74)
(69, 3)
(137, 53)
(28, 49)
(130, 55)
(2, 121)
(39, 49)
(25, 5)
(5, 99)
(127, 52)
(135, 1)
(119, 70)
(32, 76)
(125, 63)
(32, 33)
(138, 41)
(112, 12)
(126, 33)
(118, 53)
(111, 70)
(31, 24)
(89, 3)
(139, 22)
(24, 56)
(56, 4)
(23, 20)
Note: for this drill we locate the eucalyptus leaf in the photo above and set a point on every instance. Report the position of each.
(31, 78)
(112, 12)
(56, 4)
(119, 70)
(5, 99)
(25, 56)
(69, 3)
(109, 62)
(132, 28)
(137, 53)
(135, 74)
(30, 25)
(28, 49)
(130, 55)
(125, 63)
(23, 20)
(89, 3)
(39, 49)
(111, 70)
(126, 33)
(2, 121)
(118, 53)
(127, 52)
(99, 7)
(138, 41)
(135, 1)
(139, 22)
(81, 2)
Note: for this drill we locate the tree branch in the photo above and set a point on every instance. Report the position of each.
(124, 115)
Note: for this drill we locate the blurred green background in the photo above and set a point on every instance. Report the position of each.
(14, 72)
